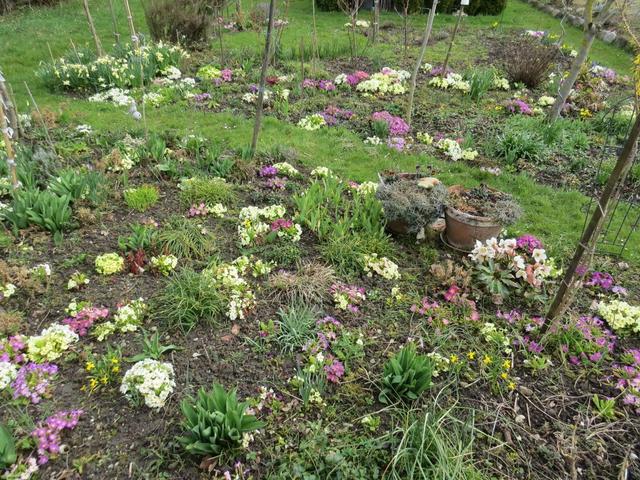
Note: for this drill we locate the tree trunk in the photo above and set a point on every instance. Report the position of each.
(7, 134)
(376, 20)
(9, 107)
(566, 292)
(92, 28)
(414, 77)
(114, 22)
(263, 76)
(453, 36)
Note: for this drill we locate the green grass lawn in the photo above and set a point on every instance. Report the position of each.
(555, 215)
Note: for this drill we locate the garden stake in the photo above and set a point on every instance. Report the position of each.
(92, 28)
(116, 34)
(568, 287)
(425, 40)
(263, 76)
(7, 134)
(9, 107)
(136, 46)
(44, 124)
(376, 20)
(453, 36)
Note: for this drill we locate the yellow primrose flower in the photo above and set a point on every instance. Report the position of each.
(104, 380)
(504, 375)
(90, 366)
(115, 369)
(453, 358)
(115, 361)
(93, 383)
(471, 355)
(506, 364)
(487, 360)
(511, 386)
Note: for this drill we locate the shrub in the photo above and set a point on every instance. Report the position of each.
(215, 422)
(309, 285)
(141, 238)
(188, 298)
(141, 198)
(177, 21)
(346, 251)
(406, 376)
(514, 145)
(208, 190)
(528, 61)
(184, 239)
(475, 7)
(296, 324)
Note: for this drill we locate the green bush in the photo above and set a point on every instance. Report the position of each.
(141, 198)
(215, 422)
(406, 376)
(184, 239)
(177, 21)
(208, 190)
(45, 209)
(187, 299)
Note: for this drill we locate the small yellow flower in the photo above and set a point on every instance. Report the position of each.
(506, 364)
(504, 375)
(453, 358)
(104, 380)
(511, 386)
(115, 369)
(90, 366)
(487, 360)
(93, 383)
(471, 355)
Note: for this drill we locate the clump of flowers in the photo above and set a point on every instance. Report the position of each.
(424, 138)
(33, 381)
(517, 105)
(8, 373)
(7, 290)
(397, 127)
(387, 81)
(322, 172)
(312, 122)
(351, 80)
(546, 101)
(77, 281)
(109, 264)
(102, 370)
(381, 266)
(499, 264)
(286, 169)
(622, 317)
(348, 297)
(51, 343)
(12, 349)
(627, 378)
(254, 229)
(150, 379)
(82, 321)
(585, 340)
(49, 435)
(453, 81)
(128, 318)
(164, 264)
(332, 115)
(453, 150)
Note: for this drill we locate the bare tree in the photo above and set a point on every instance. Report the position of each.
(263, 77)
(591, 28)
(405, 27)
(423, 50)
(351, 8)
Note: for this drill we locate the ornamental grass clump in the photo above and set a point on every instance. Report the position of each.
(406, 376)
(216, 422)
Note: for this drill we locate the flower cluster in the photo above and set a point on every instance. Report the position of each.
(215, 75)
(348, 297)
(545, 101)
(12, 349)
(253, 228)
(82, 321)
(33, 381)
(397, 127)
(126, 319)
(312, 122)
(627, 378)
(51, 343)
(8, 373)
(109, 264)
(387, 81)
(77, 280)
(49, 435)
(7, 290)
(320, 357)
(322, 172)
(332, 115)
(453, 150)
(453, 81)
(164, 264)
(324, 85)
(518, 105)
(622, 317)
(381, 266)
(585, 340)
(529, 267)
(151, 379)
(352, 79)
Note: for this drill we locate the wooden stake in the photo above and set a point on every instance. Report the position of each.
(566, 292)
(116, 33)
(138, 49)
(263, 76)
(7, 134)
(9, 107)
(453, 36)
(92, 28)
(414, 77)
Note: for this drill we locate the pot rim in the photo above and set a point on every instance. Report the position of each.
(458, 214)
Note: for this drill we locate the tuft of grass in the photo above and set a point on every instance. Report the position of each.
(187, 299)
(296, 326)
(141, 198)
(309, 285)
(208, 190)
(345, 251)
(185, 239)
(282, 254)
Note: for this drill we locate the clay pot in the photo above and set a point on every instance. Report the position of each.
(464, 229)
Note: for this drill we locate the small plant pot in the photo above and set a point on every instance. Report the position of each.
(464, 229)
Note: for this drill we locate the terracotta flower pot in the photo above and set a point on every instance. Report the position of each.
(398, 227)
(464, 229)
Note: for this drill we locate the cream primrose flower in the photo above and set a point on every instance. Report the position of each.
(380, 266)
(621, 316)
(8, 373)
(151, 379)
(322, 172)
(7, 290)
(50, 343)
(546, 101)
(312, 122)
